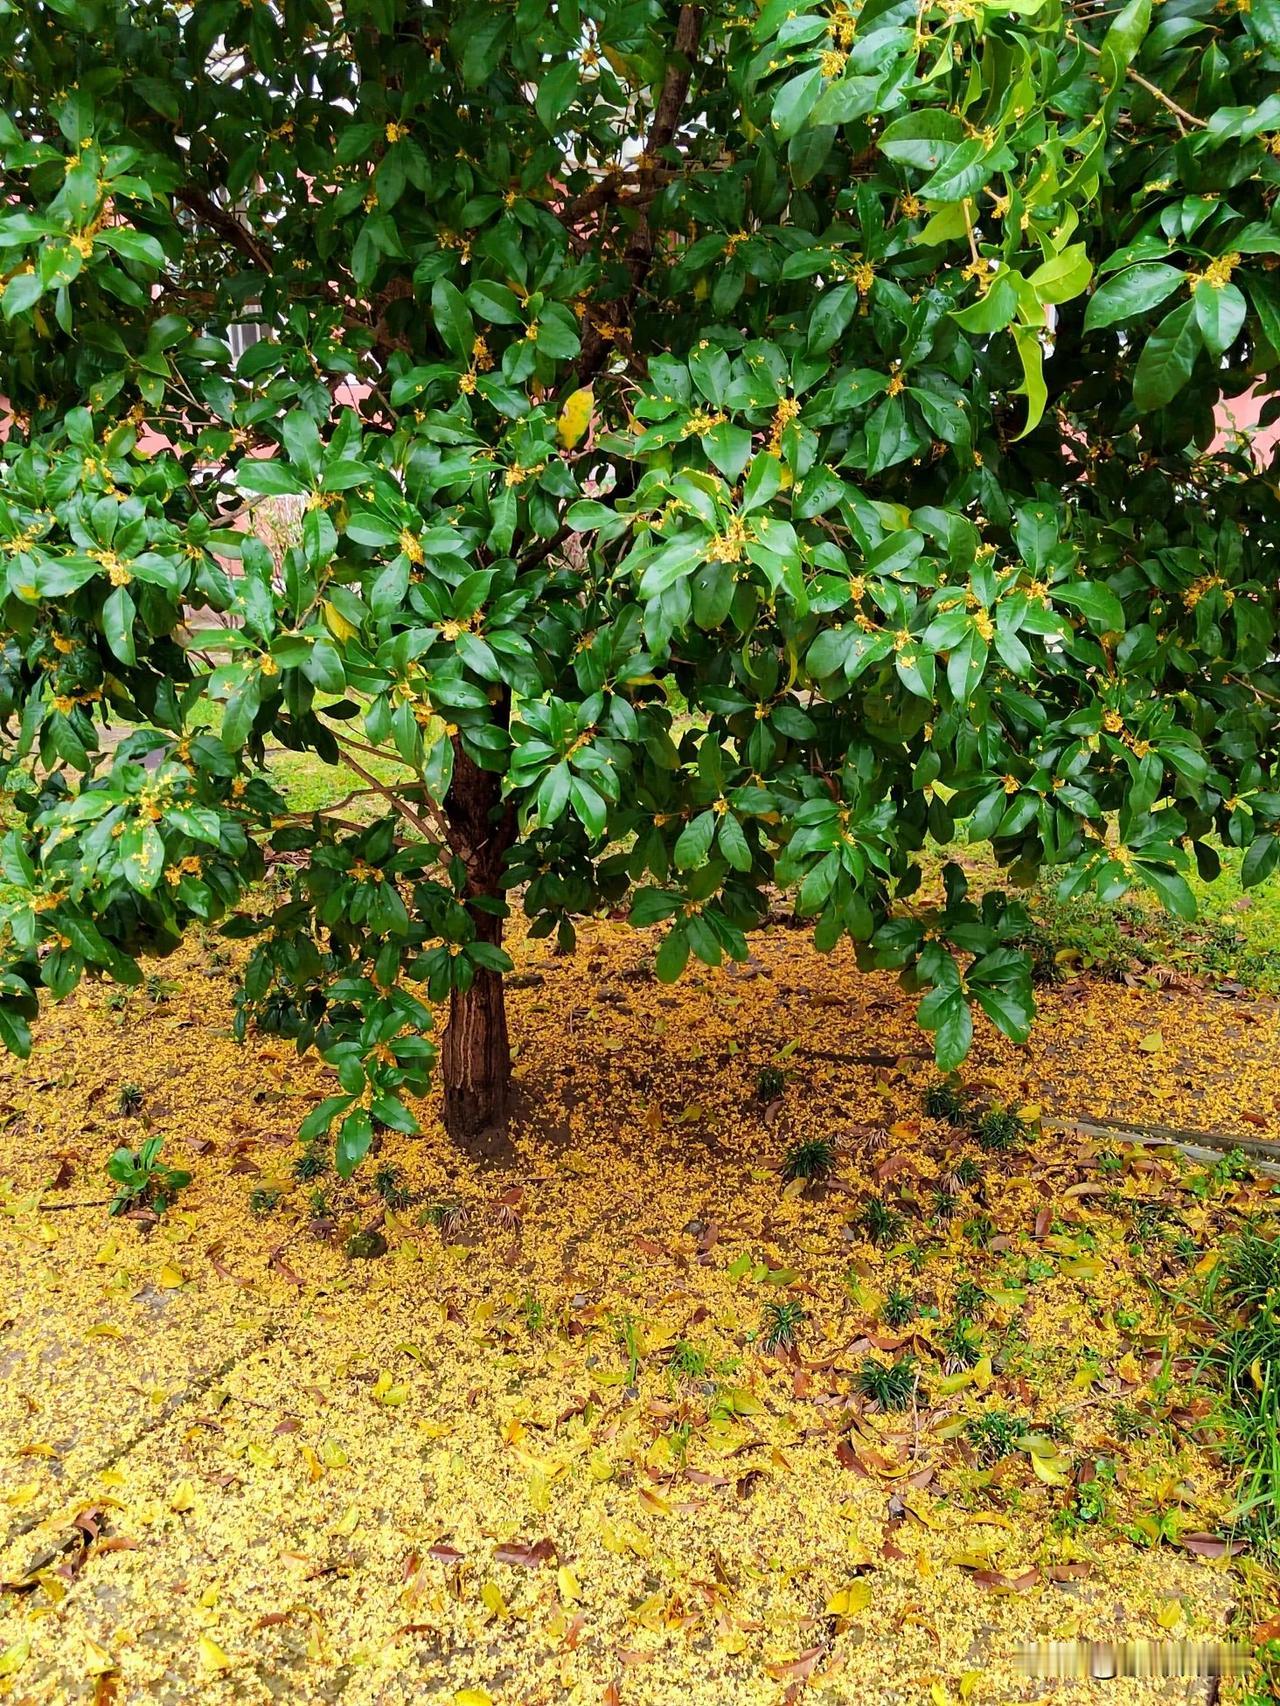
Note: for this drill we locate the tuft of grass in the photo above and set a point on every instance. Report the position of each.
(129, 1098)
(993, 1435)
(771, 1081)
(1000, 1129)
(969, 1299)
(781, 1324)
(263, 1200)
(815, 1158)
(880, 1223)
(389, 1184)
(688, 1361)
(311, 1164)
(1242, 1301)
(944, 1102)
(888, 1385)
(946, 1204)
(979, 1229)
(534, 1311)
(899, 1308)
(962, 1342)
(967, 1174)
(448, 1218)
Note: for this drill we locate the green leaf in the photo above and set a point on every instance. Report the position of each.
(15, 1032)
(922, 138)
(1033, 387)
(1174, 891)
(1094, 601)
(1134, 291)
(1121, 43)
(355, 1136)
(1220, 315)
(141, 855)
(693, 845)
(21, 292)
(673, 954)
(452, 318)
(795, 101)
(1167, 359)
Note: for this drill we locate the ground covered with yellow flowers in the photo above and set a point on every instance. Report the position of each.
(634, 1419)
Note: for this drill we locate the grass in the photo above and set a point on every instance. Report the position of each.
(1236, 936)
(1243, 1304)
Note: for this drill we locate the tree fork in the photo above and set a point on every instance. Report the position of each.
(475, 1054)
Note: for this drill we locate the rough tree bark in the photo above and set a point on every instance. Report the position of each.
(475, 1055)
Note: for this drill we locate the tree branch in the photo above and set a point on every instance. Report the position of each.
(226, 225)
(1180, 113)
(639, 250)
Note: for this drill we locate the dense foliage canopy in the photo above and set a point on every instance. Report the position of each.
(726, 448)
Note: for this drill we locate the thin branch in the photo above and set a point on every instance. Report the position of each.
(226, 225)
(666, 118)
(1180, 113)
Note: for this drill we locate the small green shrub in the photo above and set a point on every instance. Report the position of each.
(880, 1223)
(944, 1102)
(899, 1308)
(129, 1098)
(993, 1435)
(1000, 1129)
(771, 1081)
(813, 1159)
(888, 1385)
(781, 1324)
(143, 1180)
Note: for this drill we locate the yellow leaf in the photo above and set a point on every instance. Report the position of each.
(1169, 1614)
(97, 1660)
(105, 1330)
(570, 1587)
(385, 1390)
(212, 1656)
(1152, 1043)
(337, 623)
(332, 1455)
(170, 1277)
(539, 1490)
(939, 1695)
(1050, 1470)
(575, 417)
(969, 1680)
(13, 1658)
(491, 1597)
(184, 1497)
(348, 1522)
(315, 1469)
(1129, 1369)
(848, 1602)
(473, 1697)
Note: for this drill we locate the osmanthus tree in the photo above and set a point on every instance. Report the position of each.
(734, 449)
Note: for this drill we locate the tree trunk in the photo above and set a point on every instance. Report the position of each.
(475, 1055)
